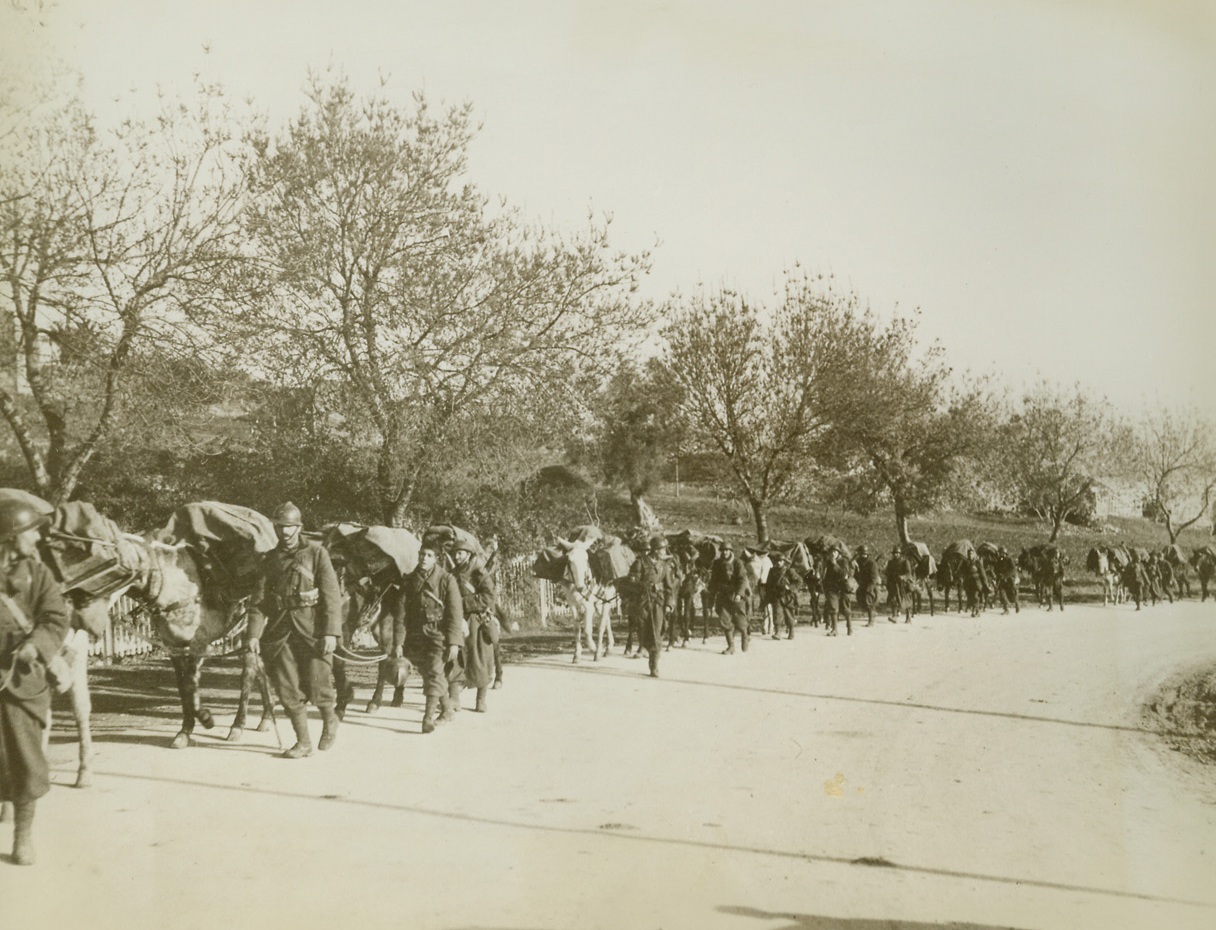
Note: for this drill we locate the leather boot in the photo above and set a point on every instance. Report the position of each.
(23, 825)
(329, 730)
(453, 706)
(481, 701)
(428, 716)
(303, 746)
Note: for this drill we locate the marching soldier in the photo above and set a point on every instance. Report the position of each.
(728, 588)
(478, 597)
(33, 627)
(433, 621)
(867, 583)
(296, 625)
(779, 593)
(654, 588)
(836, 584)
(1006, 571)
(899, 586)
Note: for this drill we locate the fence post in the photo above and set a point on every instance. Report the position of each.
(543, 588)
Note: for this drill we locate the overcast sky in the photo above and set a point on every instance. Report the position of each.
(1039, 178)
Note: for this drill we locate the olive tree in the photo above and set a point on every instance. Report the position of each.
(1175, 460)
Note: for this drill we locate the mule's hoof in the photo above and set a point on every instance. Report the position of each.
(84, 778)
(235, 734)
(264, 725)
(205, 718)
(181, 741)
(373, 707)
(497, 683)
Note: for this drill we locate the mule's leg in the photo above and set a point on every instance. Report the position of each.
(186, 670)
(249, 669)
(382, 676)
(82, 707)
(344, 691)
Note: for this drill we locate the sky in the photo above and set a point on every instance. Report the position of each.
(1037, 178)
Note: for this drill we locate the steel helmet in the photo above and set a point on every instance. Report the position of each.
(287, 514)
(16, 517)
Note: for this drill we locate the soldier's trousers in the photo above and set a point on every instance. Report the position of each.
(299, 672)
(733, 618)
(24, 773)
(430, 664)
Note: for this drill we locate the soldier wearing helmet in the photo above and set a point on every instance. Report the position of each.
(479, 598)
(33, 627)
(297, 621)
(653, 586)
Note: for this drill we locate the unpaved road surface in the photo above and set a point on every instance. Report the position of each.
(949, 773)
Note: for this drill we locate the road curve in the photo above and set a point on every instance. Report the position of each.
(973, 773)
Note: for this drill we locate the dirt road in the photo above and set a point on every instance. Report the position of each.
(949, 773)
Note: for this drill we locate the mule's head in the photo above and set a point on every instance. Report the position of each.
(578, 571)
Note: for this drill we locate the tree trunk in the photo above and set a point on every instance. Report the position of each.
(901, 519)
(1057, 520)
(761, 520)
(643, 514)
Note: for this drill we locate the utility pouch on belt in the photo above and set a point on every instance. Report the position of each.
(309, 598)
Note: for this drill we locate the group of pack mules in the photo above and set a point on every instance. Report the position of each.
(193, 582)
(591, 569)
(1135, 573)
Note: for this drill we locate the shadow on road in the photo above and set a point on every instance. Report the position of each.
(664, 840)
(820, 922)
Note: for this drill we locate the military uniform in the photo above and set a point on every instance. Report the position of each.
(728, 587)
(32, 610)
(478, 597)
(433, 621)
(1006, 571)
(836, 594)
(867, 578)
(899, 587)
(300, 602)
(779, 594)
(654, 589)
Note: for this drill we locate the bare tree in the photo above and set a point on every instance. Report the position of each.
(110, 242)
(756, 382)
(393, 280)
(1175, 457)
(1056, 448)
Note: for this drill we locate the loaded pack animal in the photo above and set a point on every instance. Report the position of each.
(1045, 565)
(590, 599)
(1174, 555)
(951, 570)
(197, 585)
(757, 564)
(371, 561)
(1101, 561)
(1203, 560)
(924, 572)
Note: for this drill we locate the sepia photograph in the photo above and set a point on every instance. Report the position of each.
(587, 465)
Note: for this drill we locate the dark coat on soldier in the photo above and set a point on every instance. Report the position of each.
(478, 597)
(432, 610)
(867, 582)
(654, 585)
(25, 703)
(728, 581)
(299, 594)
(899, 582)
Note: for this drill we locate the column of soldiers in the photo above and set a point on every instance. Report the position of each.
(444, 624)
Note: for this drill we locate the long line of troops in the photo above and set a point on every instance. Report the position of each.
(670, 576)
